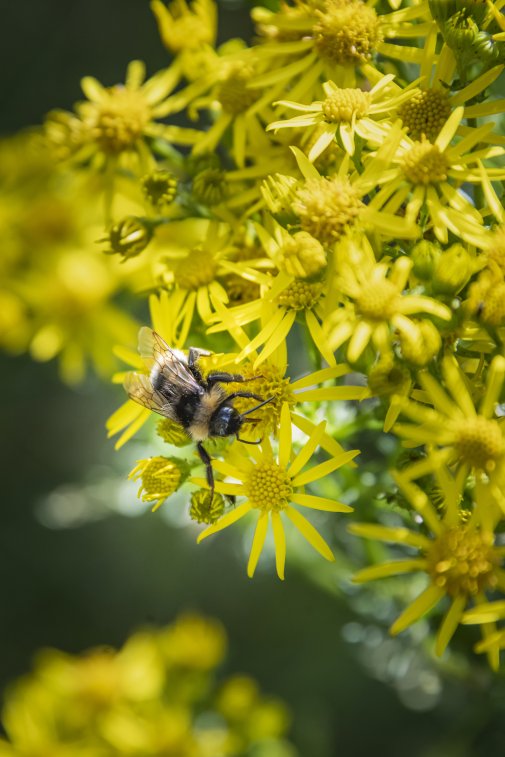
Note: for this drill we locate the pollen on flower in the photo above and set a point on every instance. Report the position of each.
(425, 113)
(480, 442)
(462, 561)
(172, 432)
(268, 487)
(271, 384)
(378, 300)
(232, 92)
(196, 270)
(300, 295)
(327, 208)
(118, 122)
(347, 32)
(344, 104)
(425, 164)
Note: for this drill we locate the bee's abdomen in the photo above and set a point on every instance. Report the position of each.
(185, 408)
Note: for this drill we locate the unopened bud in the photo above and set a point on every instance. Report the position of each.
(160, 188)
(204, 509)
(420, 343)
(453, 270)
(128, 237)
(424, 258)
(209, 186)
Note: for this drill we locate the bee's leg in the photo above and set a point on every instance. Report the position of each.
(218, 377)
(205, 458)
(247, 395)
(193, 356)
(246, 441)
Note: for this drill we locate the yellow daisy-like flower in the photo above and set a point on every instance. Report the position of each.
(346, 112)
(185, 27)
(271, 485)
(428, 174)
(459, 558)
(375, 305)
(333, 39)
(115, 121)
(459, 429)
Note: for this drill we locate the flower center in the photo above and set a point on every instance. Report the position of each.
(462, 561)
(326, 208)
(232, 92)
(378, 300)
(425, 113)
(300, 295)
(119, 121)
(480, 442)
(425, 164)
(271, 384)
(344, 104)
(197, 270)
(269, 487)
(301, 255)
(347, 32)
(487, 298)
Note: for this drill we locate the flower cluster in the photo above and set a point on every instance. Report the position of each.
(352, 251)
(158, 695)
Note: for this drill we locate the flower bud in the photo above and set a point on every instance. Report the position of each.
(160, 188)
(129, 237)
(453, 270)
(302, 256)
(420, 343)
(160, 477)
(205, 510)
(424, 258)
(209, 186)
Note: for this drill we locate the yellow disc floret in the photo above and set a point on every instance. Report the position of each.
(160, 477)
(232, 92)
(347, 32)
(462, 561)
(268, 487)
(425, 113)
(480, 442)
(196, 270)
(270, 384)
(424, 164)
(345, 104)
(378, 300)
(300, 295)
(119, 120)
(327, 208)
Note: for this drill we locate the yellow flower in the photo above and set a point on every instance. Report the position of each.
(271, 485)
(185, 27)
(115, 121)
(459, 558)
(160, 477)
(346, 112)
(425, 174)
(459, 429)
(375, 304)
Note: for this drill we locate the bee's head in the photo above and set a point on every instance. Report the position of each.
(225, 422)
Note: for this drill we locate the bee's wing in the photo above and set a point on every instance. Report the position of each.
(155, 351)
(139, 388)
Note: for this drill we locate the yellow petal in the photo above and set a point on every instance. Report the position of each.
(227, 520)
(419, 607)
(258, 542)
(309, 532)
(280, 544)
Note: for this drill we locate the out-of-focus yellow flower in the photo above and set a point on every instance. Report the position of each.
(185, 27)
(459, 557)
(143, 699)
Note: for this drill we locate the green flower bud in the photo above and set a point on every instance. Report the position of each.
(424, 258)
(128, 237)
(453, 270)
(421, 343)
(160, 188)
(209, 186)
(205, 510)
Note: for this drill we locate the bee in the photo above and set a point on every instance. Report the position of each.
(176, 389)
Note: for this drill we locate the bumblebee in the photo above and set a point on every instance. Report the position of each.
(175, 388)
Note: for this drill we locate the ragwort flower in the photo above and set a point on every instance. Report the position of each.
(271, 485)
(458, 556)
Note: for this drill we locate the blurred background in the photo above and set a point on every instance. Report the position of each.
(85, 565)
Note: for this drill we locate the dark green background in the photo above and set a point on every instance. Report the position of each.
(95, 584)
